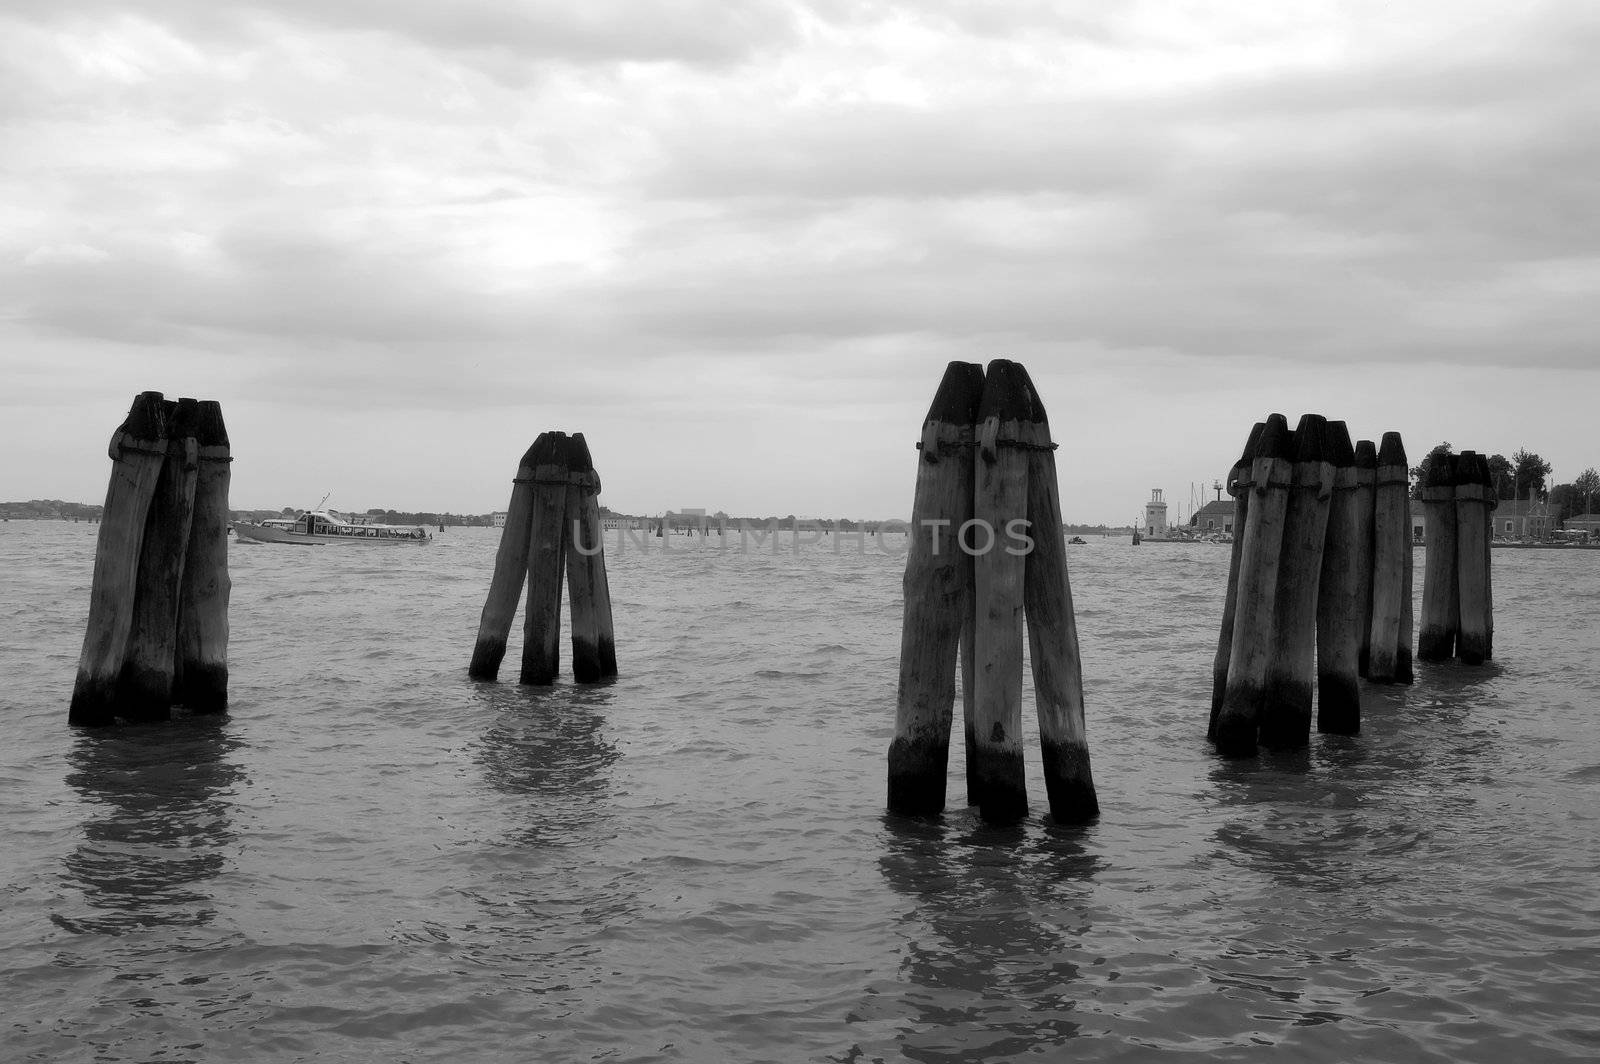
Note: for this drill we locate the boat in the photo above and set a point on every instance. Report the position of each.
(326, 526)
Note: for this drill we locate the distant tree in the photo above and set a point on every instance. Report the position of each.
(1588, 486)
(1419, 472)
(1503, 475)
(1565, 500)
(1531, 471)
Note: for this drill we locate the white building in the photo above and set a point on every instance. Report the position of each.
(1155, 514)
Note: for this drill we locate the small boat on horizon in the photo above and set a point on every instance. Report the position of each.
(326, 526)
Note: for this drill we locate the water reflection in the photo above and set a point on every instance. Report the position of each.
(993, 937)
(1332, 816)
(160, 825)
(1283, 818)
(543, 888)
(1368, 826)
(549, 745)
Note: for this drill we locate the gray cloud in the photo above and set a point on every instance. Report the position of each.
(595, 31)
(1414, 203)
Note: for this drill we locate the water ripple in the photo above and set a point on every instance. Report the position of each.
(374, 858)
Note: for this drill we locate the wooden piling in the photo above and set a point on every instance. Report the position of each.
(1053, 652)
(969, 690)
(1389, 659)
(1441, 604)
(1403, 668)
(1366, 485)
(1239, 488)
(1341, 597)
(200, 674)
(605, 626)
(547, 550)
(138, 451)
(510, 569)
(1285, 722)
(1270, 472)
(1488, 565)
(1000, 495)
(1474, 499)
(938, 597)
(594, 652)
(144, 686)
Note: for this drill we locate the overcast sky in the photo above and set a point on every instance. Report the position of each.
(734, 242)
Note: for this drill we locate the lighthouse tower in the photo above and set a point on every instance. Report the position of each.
(1155, 514)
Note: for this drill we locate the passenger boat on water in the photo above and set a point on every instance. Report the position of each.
(325, 526)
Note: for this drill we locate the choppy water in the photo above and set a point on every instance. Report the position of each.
(373, 858)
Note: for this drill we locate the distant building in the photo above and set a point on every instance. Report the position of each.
(1215, 516)
(498, 519)
(1589, 523)
(1516, 519)
(1523, 519)
(1155, 514)
(1218, 516)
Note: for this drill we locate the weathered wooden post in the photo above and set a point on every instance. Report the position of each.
(510, 570)
(556, 483)
(1341, 601)
(1366, 485)
(1000, 496)
(138, 451)
(969, 686)
(1270, 471)
(1285, 722)
(938, 599)
(547, 550)
(144, 687)
(200, 676)
(1239, 488)
(1389, 660)
(1053, 651)
(1403, 667)
(1488, 564)
(594, 650)
(1441, 602)
(1474, 499)
(158, 611)
(986, 549)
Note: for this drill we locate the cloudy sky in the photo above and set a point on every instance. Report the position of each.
(734, 242)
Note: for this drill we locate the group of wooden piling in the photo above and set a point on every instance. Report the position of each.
(157, 633)
(552, 525)
(1319, 586)
(1458, 502)
(985, 551)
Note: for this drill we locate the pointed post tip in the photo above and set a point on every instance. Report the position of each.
(1007, 392)
(956, 400)
(1310, 438)
(1340, 450)
(1391, 451)
(1275, 441)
